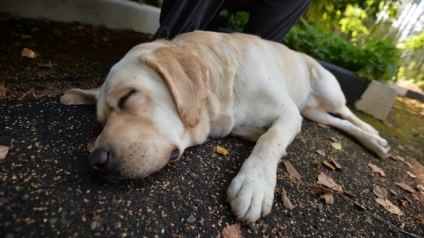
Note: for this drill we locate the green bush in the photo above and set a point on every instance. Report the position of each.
(156, 3)
(372, 58)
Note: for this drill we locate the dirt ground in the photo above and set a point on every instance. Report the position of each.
(47, 191)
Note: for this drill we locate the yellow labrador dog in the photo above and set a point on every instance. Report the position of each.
(165, 96)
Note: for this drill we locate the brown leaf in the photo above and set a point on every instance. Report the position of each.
(388, 206)
(232, 231)
(28, 53)
(415, 197)
(291, 170)
(406, 187)
(405, 202)
(411, 174)
(401, 159)
(328, 198)
(393, 157)
(3, 151)
(393, 192)
(327, 181)
(320, 190)
(321, 152)
(377, 169)
(380, 192)
(420, 187)
(286, 201)
(334, 139)
(326, 163)
(3, 90)
(337, 165)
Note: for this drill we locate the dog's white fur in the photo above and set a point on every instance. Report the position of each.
(174, 94)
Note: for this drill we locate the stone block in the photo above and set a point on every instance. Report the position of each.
(114, 14)
(377, 100)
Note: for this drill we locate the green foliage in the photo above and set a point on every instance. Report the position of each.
(413, 59)
(156, 3)
(240, 19)
(413, 43)
(373, 58)
(349, 17)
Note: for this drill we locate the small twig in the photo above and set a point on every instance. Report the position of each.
(381, 219)
(49, 65)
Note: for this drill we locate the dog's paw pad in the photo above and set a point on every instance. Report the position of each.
(250, 197)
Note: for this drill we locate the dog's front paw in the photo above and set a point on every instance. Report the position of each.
(251, 194)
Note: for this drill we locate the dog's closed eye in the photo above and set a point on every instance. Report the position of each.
(123, 99)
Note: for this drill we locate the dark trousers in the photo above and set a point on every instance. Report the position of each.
(270, 19)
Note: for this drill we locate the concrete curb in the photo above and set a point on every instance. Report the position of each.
(404, 92)
(377, 100)
(113, 14)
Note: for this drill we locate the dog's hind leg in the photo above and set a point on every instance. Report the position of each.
(369, 139)
(347, 114)
(327, 97)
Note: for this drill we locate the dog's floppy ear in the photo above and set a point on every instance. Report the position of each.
(76, 96)
(186, 77)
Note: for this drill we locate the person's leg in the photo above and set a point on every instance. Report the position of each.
(180, 16)
(272, 19)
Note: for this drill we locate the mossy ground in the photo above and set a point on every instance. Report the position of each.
(404, 127)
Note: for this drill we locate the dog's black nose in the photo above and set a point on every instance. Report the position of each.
(100, 160)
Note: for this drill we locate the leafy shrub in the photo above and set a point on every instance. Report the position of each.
(156, 3)
(373, 57)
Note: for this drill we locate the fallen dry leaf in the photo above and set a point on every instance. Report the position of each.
(327, 181)
(337, 145)
(406, 187)
(380, 192)
(389, 206)
(420, 187)
(401, 159)
(3, 90)
(328, 198)
(232, 231)
(291, 170)
(411, 174)
(320, 190)
(286, 201)
(221, 150)
(328, 165)
(321, 152)
(334, 139)
(337, 165)
(405, 202)
(377, 169)
(393, 192)
(415, 197)
(28, 53)
(3, 151)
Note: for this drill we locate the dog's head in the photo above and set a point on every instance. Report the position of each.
(150, 105)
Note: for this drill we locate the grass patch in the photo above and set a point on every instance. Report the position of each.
(404, 127)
